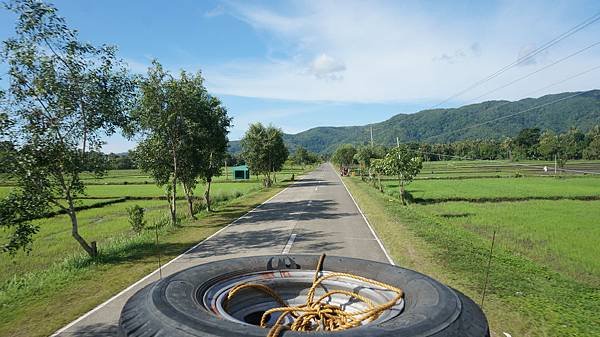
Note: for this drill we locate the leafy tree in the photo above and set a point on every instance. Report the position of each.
(575, 143)
(404, 164)
(184, 132)
(301, 156)
(526, 142)
(506, 146)
(365, 154)
(378, 168)
(264, 151)
(553, 146)
(214, 146)
(64, 96)
(592, 150)
(344, 155)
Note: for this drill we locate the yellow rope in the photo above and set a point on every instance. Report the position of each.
(318, 315)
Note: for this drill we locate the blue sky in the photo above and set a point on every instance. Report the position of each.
(301, 64)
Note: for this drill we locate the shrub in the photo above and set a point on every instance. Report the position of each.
(136, 218)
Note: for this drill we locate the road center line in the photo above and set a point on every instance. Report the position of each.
(289, 244)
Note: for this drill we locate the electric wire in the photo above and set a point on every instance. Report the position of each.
(537, 71)
(594, 18)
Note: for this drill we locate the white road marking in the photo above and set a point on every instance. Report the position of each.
(289, 244)
(389, 258)
(100, 306)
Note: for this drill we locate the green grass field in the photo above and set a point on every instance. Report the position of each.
(491, 188)
(545, 274)
(562, 235)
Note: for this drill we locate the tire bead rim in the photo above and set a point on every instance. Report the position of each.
(248, 306)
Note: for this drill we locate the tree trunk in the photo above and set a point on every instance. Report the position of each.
(91, 250)
(207, 194)
(173, 206)
(379, 183)
(401, 185)
(189, 195)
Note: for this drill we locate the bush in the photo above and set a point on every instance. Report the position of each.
(136, 218)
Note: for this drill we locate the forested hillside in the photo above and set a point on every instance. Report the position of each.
(447, 125)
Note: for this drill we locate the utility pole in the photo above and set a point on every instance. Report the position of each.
(226, 172)
(371, 136)
(555, 164)
(397, 142)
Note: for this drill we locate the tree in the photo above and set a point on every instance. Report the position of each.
(365, 154)
(526, 142)
(403, 163)
(184, 132)
(553, 146)
(215, 145)
(301, 156)
(264, 151)
(506, 146)
(592, 150)
(344, 155)
(378, 166)
(64, 96)
(575, 143)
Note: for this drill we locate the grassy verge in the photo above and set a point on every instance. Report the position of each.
(524, 298)
(39, 302)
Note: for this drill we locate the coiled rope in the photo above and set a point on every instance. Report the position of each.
(317, 315)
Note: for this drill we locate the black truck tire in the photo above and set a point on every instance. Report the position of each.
(170, 307)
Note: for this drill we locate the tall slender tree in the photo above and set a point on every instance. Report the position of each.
(215, 144)
(64, 96)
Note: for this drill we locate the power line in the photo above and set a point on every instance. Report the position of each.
(563, 80)
(537, 71)
(524, 58)
(547, 86)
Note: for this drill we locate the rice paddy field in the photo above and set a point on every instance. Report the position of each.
(545, 266)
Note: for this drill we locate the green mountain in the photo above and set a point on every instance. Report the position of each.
(557, 112)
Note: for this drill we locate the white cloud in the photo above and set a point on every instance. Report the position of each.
(325, 66)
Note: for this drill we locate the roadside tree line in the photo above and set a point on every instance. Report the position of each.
(400, 162)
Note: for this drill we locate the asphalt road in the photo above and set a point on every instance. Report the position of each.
(315, 215)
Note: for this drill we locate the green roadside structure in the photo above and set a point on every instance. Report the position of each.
(241, 172)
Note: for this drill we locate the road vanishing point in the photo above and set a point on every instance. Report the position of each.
(314, 215)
